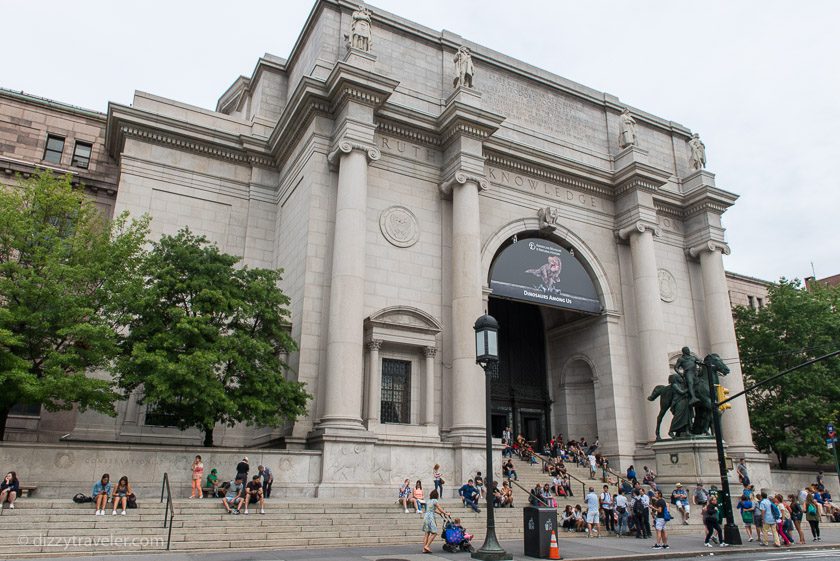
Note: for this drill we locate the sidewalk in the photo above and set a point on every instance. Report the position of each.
(571, 549)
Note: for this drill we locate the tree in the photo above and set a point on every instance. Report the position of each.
(65, 271)
(205, 344)
(789, 415)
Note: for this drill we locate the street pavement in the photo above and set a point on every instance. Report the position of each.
(571, 549)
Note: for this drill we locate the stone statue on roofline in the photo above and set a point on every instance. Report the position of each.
(464, 68)
(698, 152)
(360, 30)
(626, 129)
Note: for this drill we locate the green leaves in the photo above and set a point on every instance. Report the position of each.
(788, 416)
(206, 338)
(65, 271)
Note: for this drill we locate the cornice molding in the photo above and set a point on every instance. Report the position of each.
(393, 128)
(710, 246)
(461, 177)
(638, 227)
(671, 210)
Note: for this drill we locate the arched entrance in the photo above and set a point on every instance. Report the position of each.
(538, 291)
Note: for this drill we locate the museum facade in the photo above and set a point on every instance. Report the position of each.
(404, 201)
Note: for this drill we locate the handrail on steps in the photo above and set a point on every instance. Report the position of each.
(515, 482)
(169, 511)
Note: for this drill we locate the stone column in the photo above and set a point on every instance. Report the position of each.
(344, 376)
(650, 326)
(467, 376)
(429, 412)
(720, 328)
(374, 396)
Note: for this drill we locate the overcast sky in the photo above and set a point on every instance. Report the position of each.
(758, 80)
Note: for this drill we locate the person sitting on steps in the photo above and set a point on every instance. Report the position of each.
(121, 493)
(233, 497)
(254, 494)
(101, 491)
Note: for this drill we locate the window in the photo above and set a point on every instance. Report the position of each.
(156, 416)
(396, 391)
(26, 410)
(81, 155)
(751, 301)
(55, 146)
(760, 302)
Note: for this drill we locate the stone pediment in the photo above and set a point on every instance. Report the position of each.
(404, 318)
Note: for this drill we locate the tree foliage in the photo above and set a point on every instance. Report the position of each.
(205, 343)
(65, 273)
(789, 415)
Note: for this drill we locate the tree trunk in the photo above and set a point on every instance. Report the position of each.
(208, 437)
(784, 461)
(4, 416)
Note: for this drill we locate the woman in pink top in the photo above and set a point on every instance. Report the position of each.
(419, 501)
(197, 476)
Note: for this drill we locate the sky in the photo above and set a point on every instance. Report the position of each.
(758, 80)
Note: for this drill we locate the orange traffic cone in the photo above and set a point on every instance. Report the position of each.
(554, 551)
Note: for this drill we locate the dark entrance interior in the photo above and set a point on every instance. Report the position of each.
(520, 394)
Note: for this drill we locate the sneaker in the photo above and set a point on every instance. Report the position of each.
(749, 540)
(122, 513)
(262, 511)
(406, 511)
(724, 544)
(100, 513)
(12, 506)
(707, 544)
(666, 546)
(236, 511)
(114, 513)
(656, 546)
(246, 512)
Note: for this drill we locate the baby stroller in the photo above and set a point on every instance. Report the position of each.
(456, 538)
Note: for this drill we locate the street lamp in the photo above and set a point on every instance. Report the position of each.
(487, 356)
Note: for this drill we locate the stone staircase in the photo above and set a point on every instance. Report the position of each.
(43, 527)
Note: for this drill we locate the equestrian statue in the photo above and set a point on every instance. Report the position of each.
(687, 395)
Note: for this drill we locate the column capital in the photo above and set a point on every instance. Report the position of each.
(429, 352)
(461, 177)
(638, 227)
(374, 344)
(345, 146)
(711, 246)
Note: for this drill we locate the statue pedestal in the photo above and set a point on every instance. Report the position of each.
(687, 461)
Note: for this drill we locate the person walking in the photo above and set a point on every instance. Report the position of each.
(766, 507)
(796, 515)
(660, 509)
(429, 524)
(812, 515)
(437, 477)
(637, 506)
(710, 520)
(747, 508)
(592, 515)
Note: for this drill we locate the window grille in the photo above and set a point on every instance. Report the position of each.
(396, 391)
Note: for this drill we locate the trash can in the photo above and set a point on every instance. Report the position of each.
(539, 523)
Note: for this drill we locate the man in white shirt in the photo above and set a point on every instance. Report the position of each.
(622, 510)
(592, 516)
(607, 506)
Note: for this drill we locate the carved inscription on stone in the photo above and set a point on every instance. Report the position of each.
(540, 187)
(406, 149)
(399, 226)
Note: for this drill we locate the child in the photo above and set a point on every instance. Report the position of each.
(213, 482)
(197, 475)
(121, 493)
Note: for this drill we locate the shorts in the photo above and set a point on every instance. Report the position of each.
(231, 498)
(252, 499)
(659, 524)
(592, 517)
(684, 505)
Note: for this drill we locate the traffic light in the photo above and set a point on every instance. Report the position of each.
(722, 394)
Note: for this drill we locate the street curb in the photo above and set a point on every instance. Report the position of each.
(704, 552)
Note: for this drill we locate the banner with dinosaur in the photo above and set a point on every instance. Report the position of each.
(541, 272)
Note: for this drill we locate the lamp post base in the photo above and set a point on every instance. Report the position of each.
(492, 555)
(731, 534)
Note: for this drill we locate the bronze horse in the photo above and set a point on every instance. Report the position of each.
(712, 366)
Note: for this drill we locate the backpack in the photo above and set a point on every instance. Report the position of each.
(131, 501)
(775, 510)
(638, 506)
(81, 498)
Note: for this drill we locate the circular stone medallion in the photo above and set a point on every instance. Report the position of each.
(667, 286)
(399, 226)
